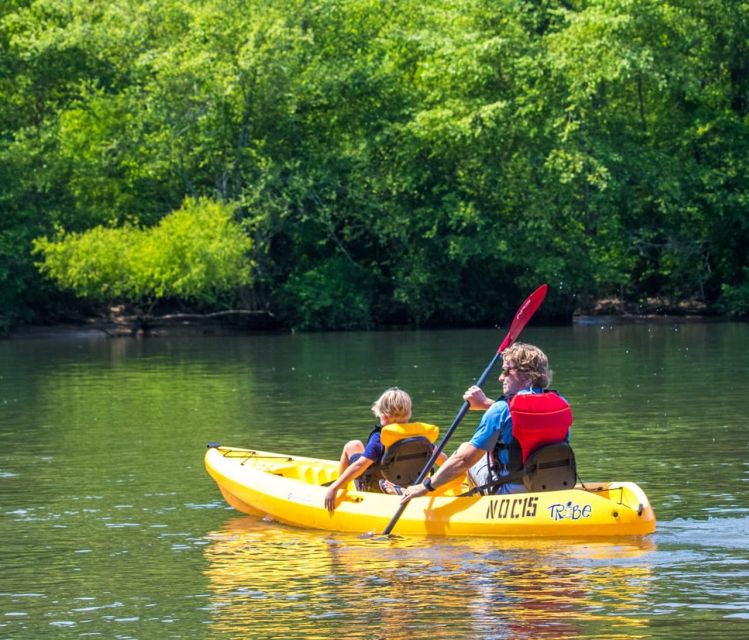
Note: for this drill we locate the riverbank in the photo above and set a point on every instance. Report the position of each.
(609, 311)
(617, 311)
(121, 325)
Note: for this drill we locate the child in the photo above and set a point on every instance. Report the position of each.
(394, 405)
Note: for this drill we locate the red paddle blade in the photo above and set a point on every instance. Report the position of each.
(525, 312)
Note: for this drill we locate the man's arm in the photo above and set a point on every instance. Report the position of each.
(457, 464)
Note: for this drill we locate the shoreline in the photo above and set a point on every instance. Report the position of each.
(206, 327)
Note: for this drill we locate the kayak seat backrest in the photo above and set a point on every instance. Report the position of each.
(404, 459)
(550, 468)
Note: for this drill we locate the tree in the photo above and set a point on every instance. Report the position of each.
(195, 254)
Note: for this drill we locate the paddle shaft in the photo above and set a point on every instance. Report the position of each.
(524, 313)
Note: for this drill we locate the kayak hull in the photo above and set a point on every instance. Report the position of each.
(290, 489)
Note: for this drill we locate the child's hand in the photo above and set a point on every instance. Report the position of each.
(330, 497)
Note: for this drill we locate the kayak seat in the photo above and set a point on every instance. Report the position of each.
(550, 468)
(404, 460)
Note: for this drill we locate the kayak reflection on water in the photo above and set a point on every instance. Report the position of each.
(295, 583)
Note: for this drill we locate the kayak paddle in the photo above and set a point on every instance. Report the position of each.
(524, 313)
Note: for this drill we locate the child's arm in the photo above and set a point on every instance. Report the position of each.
(352, 472)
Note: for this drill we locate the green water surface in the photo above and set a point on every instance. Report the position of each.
(110, 527)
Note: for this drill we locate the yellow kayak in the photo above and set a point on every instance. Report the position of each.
(291, 489)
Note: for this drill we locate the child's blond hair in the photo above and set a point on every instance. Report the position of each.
(394, 404)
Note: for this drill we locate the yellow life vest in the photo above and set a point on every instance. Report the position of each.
(391, 433)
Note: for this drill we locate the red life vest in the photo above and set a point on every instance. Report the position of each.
(539, 419)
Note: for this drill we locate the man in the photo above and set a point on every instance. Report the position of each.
(492, 454)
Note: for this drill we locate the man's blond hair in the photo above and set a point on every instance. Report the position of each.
(530, 361)
(395, 404)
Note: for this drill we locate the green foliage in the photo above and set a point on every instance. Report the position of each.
(734, 300)
(417, 163)
(331, 295)
(197, 253)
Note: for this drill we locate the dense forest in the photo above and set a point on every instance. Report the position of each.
(365, 163)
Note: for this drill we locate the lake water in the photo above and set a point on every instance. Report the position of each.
(110, 527)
